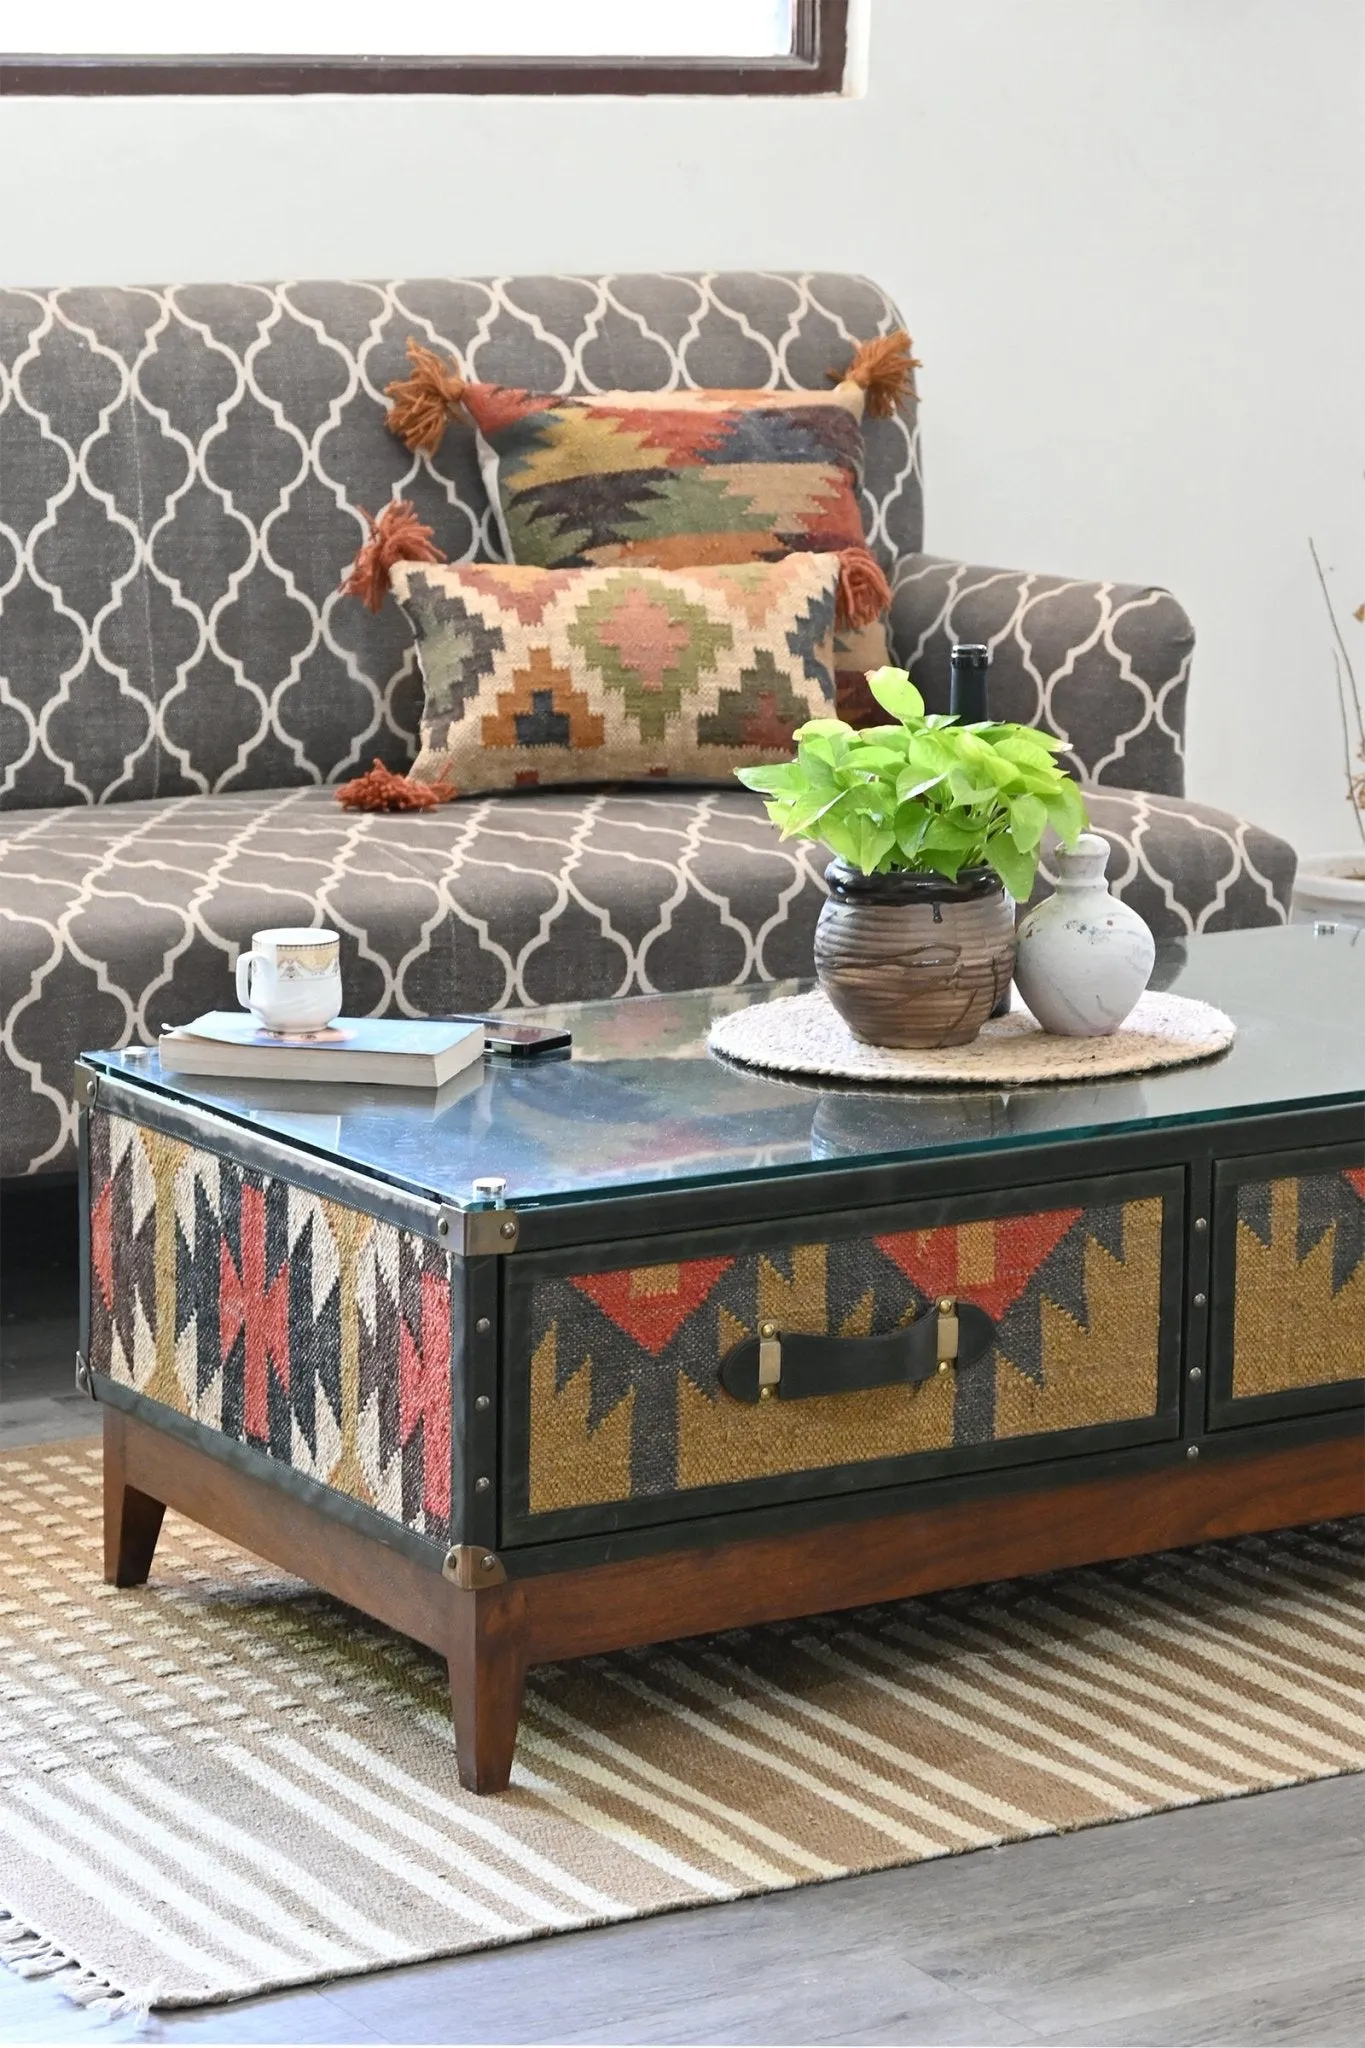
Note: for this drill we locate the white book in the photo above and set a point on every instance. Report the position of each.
(402, 1052)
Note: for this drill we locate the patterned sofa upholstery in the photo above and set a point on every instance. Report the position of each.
(180, 681)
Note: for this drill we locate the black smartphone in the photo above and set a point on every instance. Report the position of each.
(516, 1041)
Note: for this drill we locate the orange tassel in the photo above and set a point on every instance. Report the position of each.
(864, 592)
(424, 402)
(885, 369)
(397, 535)
(379, 789)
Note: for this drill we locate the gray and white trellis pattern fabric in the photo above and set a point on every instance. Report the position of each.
(1103, 665)
(128, 916)
(182, 469)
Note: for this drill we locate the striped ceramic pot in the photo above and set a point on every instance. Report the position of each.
(914, 960)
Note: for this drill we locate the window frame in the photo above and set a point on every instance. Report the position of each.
(814, 64)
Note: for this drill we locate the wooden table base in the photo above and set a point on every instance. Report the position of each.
(491, 1637)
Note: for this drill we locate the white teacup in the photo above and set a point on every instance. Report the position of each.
(290, 979)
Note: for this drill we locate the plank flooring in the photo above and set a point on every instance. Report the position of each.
(1236, 1923)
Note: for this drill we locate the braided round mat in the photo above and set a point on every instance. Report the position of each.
(806, 1035)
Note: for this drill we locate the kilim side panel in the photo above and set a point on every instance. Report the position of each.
(1299, 1316)
(625, 1399)
(313, 1333)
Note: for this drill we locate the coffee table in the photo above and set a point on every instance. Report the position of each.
(728, 1348)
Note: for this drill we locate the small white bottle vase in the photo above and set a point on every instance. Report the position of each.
(1082, 957)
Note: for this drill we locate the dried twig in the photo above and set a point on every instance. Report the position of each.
(1348, 702)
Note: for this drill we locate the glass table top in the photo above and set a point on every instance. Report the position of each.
(642, 1101)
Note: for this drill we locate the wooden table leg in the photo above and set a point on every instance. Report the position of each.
(487, 1662)
(132, 1520)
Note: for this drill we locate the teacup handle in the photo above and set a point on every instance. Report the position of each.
(244, 961)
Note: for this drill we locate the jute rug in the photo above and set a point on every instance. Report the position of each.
(225, 1783)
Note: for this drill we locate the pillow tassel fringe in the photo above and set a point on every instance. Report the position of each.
(885, 368)
(864, 592)
(425, 403)
(379, 789)
(397, 535)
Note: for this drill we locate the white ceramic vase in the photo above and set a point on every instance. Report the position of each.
(1083, 957)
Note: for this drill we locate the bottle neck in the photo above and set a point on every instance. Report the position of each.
(969, 685)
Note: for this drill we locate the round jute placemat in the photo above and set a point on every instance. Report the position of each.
(806, 1035)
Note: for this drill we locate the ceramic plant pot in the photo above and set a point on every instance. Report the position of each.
(1083, 956)
(914, 960)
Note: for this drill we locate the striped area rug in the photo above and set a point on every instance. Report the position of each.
(225, 1782)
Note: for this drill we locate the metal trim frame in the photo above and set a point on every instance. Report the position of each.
(521, 1527)
(474, 1417)
(83, 1213)
(324, 1500)
(1227, 1410)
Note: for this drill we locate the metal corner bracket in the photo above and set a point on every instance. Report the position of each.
(471, 1567)
(479, 1233)
(84, 1085)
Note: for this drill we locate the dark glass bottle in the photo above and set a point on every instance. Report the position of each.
(969, 682)
(969, 702)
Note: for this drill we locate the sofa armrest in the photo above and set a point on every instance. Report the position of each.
(1102, 665)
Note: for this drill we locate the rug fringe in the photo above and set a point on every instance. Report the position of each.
(32, 1955)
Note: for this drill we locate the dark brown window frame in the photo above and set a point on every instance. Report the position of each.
(815, 64)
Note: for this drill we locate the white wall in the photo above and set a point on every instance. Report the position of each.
(1126, 235)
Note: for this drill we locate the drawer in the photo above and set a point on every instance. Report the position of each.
(1287, 1335)
(630, 1375)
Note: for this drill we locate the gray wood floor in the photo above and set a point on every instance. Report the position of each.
(1236, 1923)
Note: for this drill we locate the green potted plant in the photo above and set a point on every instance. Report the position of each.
(930, 822)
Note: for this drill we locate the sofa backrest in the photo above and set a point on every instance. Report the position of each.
(180, 472)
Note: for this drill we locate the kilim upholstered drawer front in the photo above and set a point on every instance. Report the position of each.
(1287, 1336)
(294, 1326)
(631, 1390)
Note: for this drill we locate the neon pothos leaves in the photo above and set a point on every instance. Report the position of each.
(923, 793)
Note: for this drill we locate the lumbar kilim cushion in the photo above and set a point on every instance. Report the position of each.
(618, 674)
(223, 1781)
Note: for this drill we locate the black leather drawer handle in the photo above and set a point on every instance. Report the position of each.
(794, 1367)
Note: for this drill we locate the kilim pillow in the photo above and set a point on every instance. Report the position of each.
(618, 674)
(679, 478)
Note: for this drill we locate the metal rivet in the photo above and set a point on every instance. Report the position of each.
(481, 1485)
(767, 1329)
(943, 1365)
(946, 1306)
(1193, 1451)
(483, 1326)
(443, 1226)
(488, 1562)
(1201, 1222)
(481, 1403)
(1199, 1300)
(765, 1393)
(508, 1229)
(1196, 1372)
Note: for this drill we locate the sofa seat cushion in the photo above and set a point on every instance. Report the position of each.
(119, 918)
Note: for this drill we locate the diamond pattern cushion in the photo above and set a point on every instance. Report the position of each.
(122, 917)
(620, 674)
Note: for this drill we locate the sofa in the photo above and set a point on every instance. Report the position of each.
(182, 684)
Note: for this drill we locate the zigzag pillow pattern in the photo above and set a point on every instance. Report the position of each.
(671, 478)
(537, 676)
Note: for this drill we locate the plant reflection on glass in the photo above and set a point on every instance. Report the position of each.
(924, 795)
